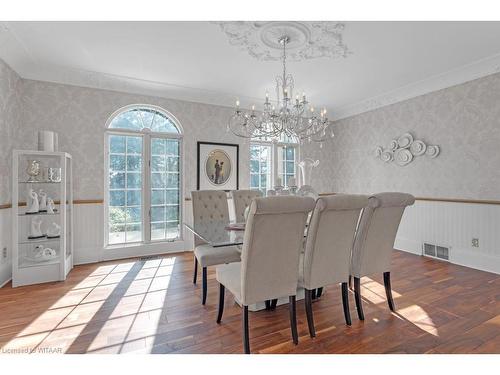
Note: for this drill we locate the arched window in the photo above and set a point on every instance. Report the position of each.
(271, 162)
(144, 169)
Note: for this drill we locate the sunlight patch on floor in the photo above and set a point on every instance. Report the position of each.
(419, 317)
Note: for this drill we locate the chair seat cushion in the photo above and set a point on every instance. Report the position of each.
(229, 275)
(210, 256)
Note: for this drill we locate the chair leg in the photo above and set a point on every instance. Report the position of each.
(246, 339)
(268, 304)
(319, 292)
(274, 302)
(195, 273)
(350, 282)
(293, 319)
(222, 290)
(309, 312)
(345, 304)
(204, 292)
(313, 294)
(357, 296)
(388, 290)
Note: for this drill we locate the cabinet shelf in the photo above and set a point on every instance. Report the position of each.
(25, 268)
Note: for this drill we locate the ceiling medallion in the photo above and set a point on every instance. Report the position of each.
(308, 40)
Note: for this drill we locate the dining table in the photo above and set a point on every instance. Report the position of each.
(223, 233)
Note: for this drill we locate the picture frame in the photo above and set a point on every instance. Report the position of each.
(218, 166)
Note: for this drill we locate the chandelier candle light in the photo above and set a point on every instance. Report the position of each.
(292, 119)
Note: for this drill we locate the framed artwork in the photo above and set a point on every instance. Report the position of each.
(218, 166)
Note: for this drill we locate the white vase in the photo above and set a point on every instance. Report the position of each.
(306, 167)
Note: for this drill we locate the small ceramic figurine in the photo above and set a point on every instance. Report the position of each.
(35, 228)
(41, 254)
(54, 231)
(33, 206)
(42, 201)
(50, 206)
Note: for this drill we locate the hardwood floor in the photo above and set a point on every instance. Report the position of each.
(153, 307)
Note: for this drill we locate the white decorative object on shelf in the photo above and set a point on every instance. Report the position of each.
(35, 228)
(54, 231)
(50, 206)
(41, 254)
(42, 201)
(33, 170)
(404, 150)
(307, 191)
(432, 151)
(309, 40)
(32, 203)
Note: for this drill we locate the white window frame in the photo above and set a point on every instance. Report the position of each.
(146, 135)
(276, 160)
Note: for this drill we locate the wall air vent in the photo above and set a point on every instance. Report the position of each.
(436, 251)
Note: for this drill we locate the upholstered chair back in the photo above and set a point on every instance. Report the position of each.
(209, 206)
(330, 237)
(272, 243)
(242, 200)
(376, 233)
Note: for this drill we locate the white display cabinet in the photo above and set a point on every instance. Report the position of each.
(49, 256)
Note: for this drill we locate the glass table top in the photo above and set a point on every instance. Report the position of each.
(218, 233)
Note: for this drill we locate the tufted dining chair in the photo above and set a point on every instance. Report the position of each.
(329, 241)
(210, 206)
(242, 200)
(269, 264)
(374, 241)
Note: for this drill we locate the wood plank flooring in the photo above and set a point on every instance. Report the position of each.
(153, 307)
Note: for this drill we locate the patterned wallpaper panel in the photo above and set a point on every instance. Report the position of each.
(10, 112)
(79, 115)
(463, 120)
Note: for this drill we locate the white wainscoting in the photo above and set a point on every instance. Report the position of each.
(443, 223)
(454, 225)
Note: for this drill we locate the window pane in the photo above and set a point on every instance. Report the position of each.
(117, 162)
(158, 163)
(134, 145)
(158, 196)
(127, 120)
(260, 167)
(134, 163)
(125, 195)
(117, 144)
(165, 188)
(157, 146)
(134, 198)
(163, 124)
(158, 213)
(290, 167)
(158, 231)
(117, 180)
(117, 198)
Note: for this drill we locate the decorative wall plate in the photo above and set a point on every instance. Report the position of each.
(403, 156)
(387, 156)
(405, 140)
(432, 151)
(418, 148)
(393, 145)
(404, 149)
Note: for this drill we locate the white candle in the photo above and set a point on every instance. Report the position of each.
(278, 181)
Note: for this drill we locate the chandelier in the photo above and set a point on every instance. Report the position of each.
(291, 118)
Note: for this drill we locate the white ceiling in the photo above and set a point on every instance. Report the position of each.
(390, 61)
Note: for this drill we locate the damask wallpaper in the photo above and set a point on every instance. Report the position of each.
(10, 112)
(463, 120)
(79, 115)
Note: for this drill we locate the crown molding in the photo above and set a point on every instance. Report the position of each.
(454, 77)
